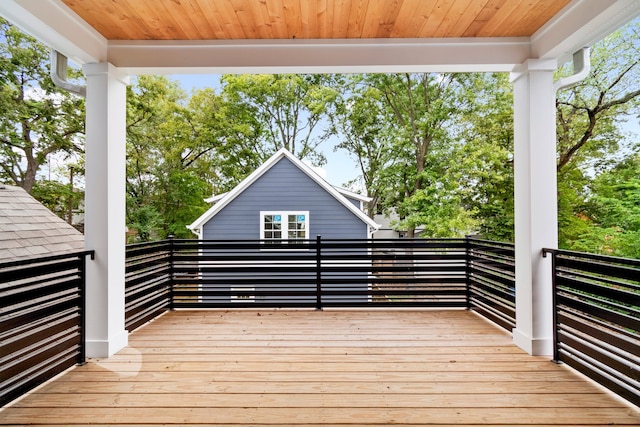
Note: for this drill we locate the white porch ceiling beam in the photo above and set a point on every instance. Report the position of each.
(580, 24)
(57, 26)
(320, 56)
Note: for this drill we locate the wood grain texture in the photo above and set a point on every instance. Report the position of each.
(313, 19)
(332, 368)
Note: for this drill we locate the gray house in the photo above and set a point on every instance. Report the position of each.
(282, 203)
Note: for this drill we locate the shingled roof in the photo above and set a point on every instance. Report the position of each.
(28, 228)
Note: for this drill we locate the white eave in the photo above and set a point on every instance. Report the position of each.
(222, 200)
(579, 24)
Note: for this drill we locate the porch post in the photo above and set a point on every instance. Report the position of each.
(536, 211)
(105, 208)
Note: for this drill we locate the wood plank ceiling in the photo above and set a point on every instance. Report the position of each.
(313, 19)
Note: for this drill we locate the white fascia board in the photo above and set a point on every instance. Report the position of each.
(52, 23)
(580, 24)
(353, 195)
(215, 198)
(319, 56)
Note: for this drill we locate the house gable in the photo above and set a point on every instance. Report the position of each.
(283, 183)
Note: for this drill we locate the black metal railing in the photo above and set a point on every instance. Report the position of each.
(443, 273)
(319, 273)
(596, 298)
(491, 280)
(597, 318)
(148, 282)
(41, 320)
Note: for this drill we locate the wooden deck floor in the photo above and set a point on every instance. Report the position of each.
(325, 368)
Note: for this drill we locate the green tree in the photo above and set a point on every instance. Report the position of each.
(483, 158)
(233, 132)
(611, 224)
(286, 109)
(364, 132)
(168, 160)
(589, 120)
(38, 119)
(422, 109)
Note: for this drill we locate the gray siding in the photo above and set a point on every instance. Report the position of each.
(354, 202)
(284, 187)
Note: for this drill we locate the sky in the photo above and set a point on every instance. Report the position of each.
(340, 168)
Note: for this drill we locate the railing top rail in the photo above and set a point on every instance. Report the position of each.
(490, 242)
(443, 239)
(596, 257)
(41, 259)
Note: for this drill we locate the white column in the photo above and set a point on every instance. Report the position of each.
(536, 211)
(105, 208)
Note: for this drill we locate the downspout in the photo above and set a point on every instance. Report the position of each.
(58, 72)
(581, 69)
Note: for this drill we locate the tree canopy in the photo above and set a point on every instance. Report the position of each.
(38, 120)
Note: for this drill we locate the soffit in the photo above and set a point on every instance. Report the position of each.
(313, 19)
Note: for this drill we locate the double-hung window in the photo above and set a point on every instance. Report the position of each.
(284, 227)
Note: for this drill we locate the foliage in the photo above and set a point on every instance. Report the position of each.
(611, 218)
(57, 197)
(167, 160)
(38, 120)
(591, 149)
(285, 110)
(364, 132)
(483, 159)
(421, 110)
(409, 133)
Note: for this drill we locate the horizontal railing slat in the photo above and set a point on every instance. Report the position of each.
(41, 327)
(597, 318)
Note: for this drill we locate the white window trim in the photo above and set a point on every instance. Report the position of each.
(285, 224)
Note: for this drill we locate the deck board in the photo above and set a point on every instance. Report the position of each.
(331, 368)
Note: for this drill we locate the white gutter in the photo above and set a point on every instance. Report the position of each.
(58, 74)
(581, 69)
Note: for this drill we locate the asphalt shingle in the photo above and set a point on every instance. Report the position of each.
(29, 229)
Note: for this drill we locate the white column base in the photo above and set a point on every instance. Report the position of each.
(107, 348)
(533, 346)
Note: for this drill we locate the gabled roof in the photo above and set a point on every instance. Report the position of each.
(224, 200)
(28, 228)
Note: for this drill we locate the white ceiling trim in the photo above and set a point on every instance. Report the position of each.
(320, 56)
(580, 24)
(54, 24)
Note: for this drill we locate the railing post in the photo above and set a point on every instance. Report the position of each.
(171, 271)
(318, 273)
(82, 353)
(554, 296)
(467, 268)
